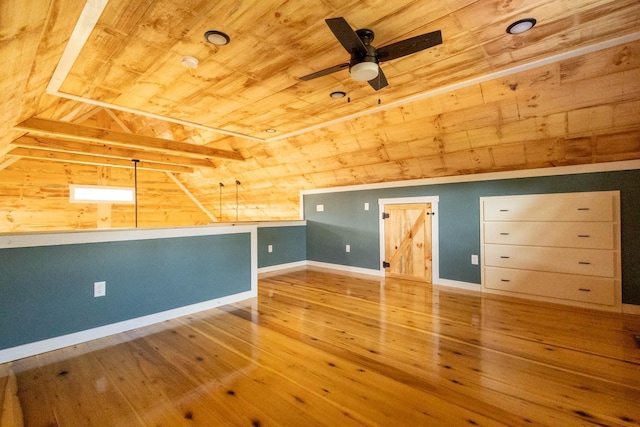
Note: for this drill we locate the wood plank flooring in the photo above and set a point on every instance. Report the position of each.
(320, 348)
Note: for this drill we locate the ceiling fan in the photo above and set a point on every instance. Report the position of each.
(363, 65)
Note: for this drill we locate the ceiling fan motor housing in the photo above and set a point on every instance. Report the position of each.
(364, 67)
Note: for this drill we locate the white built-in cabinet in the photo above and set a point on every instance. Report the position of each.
(562, 248)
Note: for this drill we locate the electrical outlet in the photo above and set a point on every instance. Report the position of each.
(366, 206)
(319, 208)
(270, 248)
(99, 289)
(348, 248)
(474, 259)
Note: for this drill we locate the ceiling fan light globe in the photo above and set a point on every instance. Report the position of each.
(364, 71)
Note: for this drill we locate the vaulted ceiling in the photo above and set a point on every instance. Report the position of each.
(88, 86)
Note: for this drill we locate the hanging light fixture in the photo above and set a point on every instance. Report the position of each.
(221, 185)
(237, 184)
(135, 187)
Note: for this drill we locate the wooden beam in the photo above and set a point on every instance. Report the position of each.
(69, 131)
(191, 196)
(103, 150)
(8, 161)
(169, 174)
(55, 156)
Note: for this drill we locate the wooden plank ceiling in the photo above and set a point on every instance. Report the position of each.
(79, 105)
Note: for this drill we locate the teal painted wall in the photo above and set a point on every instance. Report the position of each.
(47, 291)
(289, 245)
(344, 221)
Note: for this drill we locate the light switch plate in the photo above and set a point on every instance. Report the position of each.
(474, 259)
(348, 248)
(319, 208)
(366, 206)
(270, 248)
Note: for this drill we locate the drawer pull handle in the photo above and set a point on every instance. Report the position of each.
(505, 280)
(504, 234)
(584, 235)
(583, 209)
(504, 257)
(504, 210)
(584, 262)
(584, 290)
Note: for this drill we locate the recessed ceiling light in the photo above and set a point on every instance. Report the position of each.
(217, 37)
(270, 131)
(189, 62)
(521, 26)
(338, 94)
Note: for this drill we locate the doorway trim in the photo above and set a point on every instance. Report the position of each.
(435, 233)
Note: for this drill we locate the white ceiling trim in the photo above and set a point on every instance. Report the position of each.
(94, 8)
(86, 23)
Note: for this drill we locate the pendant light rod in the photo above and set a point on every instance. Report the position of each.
(221, 185)
(237, 184)
(135, 187)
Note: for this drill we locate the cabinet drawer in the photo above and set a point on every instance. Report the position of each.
(550, 207)
(589, 262)
(596, 290)
(594, 235)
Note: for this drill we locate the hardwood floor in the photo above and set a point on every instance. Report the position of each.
(318, 348)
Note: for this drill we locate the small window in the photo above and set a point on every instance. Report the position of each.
(100, 194)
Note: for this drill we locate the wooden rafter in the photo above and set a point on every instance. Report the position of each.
(117, 120)
(102, 150)
(56, 156)
(193, 198)
(69, 131)
(171, 176)
(8, 161)
(82, 117)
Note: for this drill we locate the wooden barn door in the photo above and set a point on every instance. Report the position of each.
(407, 241)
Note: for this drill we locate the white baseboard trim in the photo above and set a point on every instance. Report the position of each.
(281, 266)
(367, 271)
(31, 349)
(456, 284)
(631, 308)
(346, 268)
